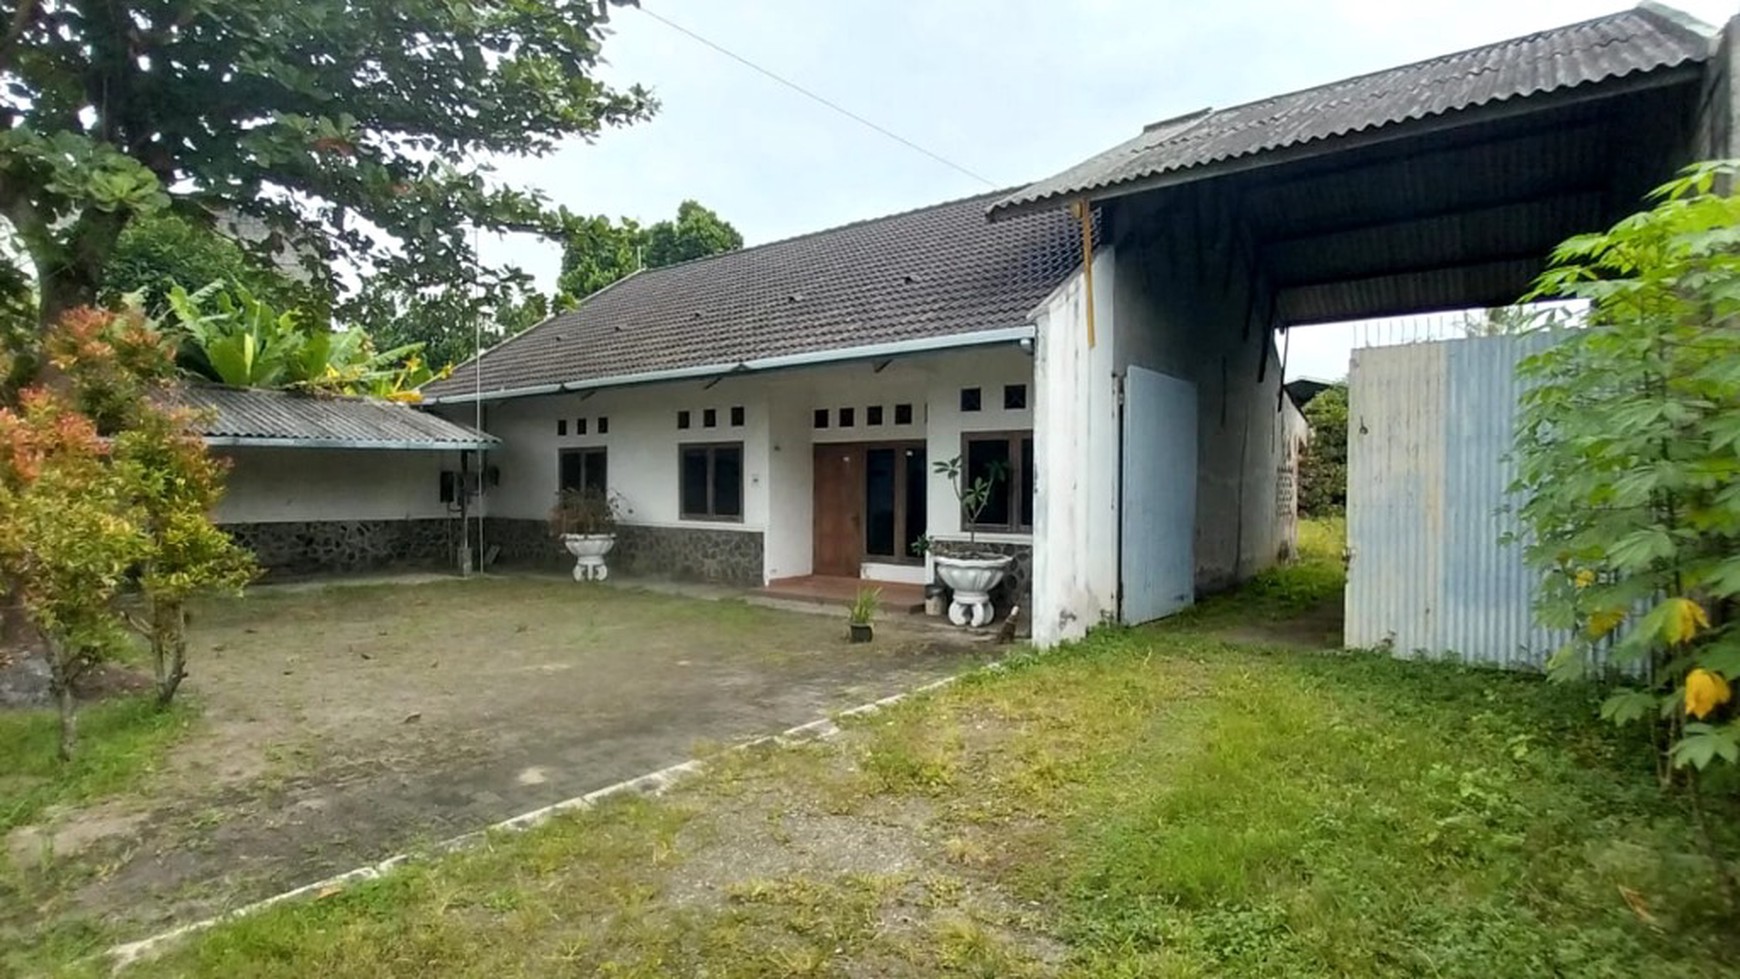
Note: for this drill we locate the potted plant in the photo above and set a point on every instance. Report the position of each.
(972, 575)
(861, 612)
(936, 594)
(585, 522)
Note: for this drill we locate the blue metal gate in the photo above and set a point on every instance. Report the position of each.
(1158, 554)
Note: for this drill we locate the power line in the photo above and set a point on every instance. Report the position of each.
(794, 86)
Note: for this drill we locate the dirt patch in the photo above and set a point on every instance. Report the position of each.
(347, 724)
(69, 834)
(1322, 627)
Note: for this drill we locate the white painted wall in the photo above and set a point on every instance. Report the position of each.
(643, 447)
(989, 370)
(778, 437)
(283, 485)
(789, 547)
(1178, 315)
(932, 384)
(1075, 555)
(1170, 311)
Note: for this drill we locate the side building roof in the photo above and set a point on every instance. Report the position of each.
(286, 419)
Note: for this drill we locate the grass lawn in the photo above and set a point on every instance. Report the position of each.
(120, 743)
(1153, 802)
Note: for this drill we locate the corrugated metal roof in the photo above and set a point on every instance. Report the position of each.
(940, 271)
(1644, 39)
(251, 416)
(1430, 431)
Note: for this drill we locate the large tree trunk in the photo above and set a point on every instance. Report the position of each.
(62, 291)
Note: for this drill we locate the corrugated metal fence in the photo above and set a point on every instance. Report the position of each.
(1429, 433)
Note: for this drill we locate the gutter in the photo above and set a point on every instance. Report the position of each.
(875, 351)
(257, 441)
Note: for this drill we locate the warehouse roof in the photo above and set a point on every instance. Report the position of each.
(1648, 38)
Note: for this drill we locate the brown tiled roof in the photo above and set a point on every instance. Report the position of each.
(1648, 38)
(257, 416)
(939, 271)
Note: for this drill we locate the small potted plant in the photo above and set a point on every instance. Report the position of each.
(936, 594)
(971, 576)
(861, 613)
(584, 520)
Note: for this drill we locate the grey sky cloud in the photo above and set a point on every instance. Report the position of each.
(1011, 89)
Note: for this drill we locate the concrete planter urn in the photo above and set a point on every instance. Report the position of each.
(589, 551)
(971, 579)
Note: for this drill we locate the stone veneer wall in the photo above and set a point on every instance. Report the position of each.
(1016, 587)
(296, 548)
(732, 557)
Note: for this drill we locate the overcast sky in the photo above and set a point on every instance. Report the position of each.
(1013, 90)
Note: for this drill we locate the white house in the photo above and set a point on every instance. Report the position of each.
(777, 412)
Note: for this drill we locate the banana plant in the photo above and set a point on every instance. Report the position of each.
(234, 338)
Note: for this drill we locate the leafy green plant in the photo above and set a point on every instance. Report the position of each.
(1628, 456)
(154, 253)
(864, 606)
(177, 484)
(236, 338)
(588, 511)
(1323, 464)
(69, 533)
(100, 489)
(974, 496)
(382, 141)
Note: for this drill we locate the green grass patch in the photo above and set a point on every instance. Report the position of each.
(1312, 580)
(119, 743)
(1149, 802)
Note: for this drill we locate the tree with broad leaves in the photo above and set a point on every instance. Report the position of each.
(1323, 464)
(448, 323)
(596, 252)
(696, 233)
(355, 132)
(1628, 476)
(157, 253)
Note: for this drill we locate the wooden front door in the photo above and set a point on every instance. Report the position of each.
(839, 509)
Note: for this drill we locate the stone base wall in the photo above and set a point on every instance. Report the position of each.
(1016, 587)
(337, 546)
(524, 544)
(730, 557)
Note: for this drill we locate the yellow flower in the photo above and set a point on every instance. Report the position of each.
(1705, 691)
(1685, 619)
(1585, 578)
(1603, 621)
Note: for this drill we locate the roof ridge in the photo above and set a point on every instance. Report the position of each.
(830, 230)
(1654, 11)
(653, 272)
(504, 341)
(1678, 19)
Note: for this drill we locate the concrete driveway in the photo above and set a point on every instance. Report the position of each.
(344, 724)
